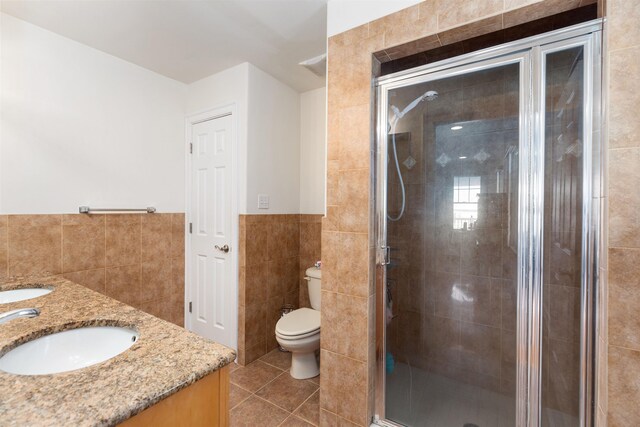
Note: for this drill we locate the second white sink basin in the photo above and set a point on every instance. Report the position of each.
(22, 294)
(68, 350)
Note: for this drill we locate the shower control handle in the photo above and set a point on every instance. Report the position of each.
(224, 248)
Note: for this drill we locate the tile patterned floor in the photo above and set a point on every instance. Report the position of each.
(264, 394)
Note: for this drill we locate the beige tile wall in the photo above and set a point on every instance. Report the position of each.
(623, 59)
(136, 259)
(273, 251)
(310, 239)
(347, 371)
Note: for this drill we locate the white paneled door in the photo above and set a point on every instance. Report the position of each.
(212, 275)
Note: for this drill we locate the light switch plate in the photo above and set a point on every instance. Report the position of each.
(263, 201)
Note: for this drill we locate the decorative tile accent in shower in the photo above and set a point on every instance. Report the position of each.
(274, 252)
(136, 259)
(347, 372)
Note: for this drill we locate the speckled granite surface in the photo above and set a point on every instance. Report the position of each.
(165, 359)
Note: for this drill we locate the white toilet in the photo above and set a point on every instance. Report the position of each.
(299, 331)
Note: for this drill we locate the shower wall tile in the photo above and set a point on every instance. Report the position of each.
(468, 31)
(330, 260)
(353, 154)
(623, 344)
(333, 182)
(624, 223)
(329, 337)
(623, 32)
(624, 297)
(353, 268)
(537, 10)
(346, 382)
(455, 13)
(515, 4)
(103, 253)
(330, 222)
(352, 318)
(328, 419)
(410, 24)
(624, 387)
(624, 65)
(348, 379)
(480, 356)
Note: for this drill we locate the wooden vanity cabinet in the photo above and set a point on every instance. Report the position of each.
(203, 403)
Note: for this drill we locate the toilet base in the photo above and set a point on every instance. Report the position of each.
(304, 365)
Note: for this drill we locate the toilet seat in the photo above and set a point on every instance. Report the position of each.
(300, 323)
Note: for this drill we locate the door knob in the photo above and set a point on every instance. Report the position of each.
(224, 248)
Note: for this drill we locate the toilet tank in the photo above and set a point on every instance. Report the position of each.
(313, 277)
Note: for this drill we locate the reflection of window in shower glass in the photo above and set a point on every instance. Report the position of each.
(466, 190)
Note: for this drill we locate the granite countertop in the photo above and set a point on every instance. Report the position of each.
(165, 359)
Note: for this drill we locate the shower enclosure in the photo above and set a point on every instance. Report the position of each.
(487, 212)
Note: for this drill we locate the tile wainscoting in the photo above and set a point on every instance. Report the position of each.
(136, 259)
(275, 250)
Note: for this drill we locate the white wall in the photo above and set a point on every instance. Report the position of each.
(273, 144)
(268, 134)
(230, 86)
(313, 121)
(81, 127)
(343, 15)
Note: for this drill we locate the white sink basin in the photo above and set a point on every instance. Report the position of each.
(22, 294)
(68, 350)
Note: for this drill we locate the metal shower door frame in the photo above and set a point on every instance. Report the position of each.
(530, 54)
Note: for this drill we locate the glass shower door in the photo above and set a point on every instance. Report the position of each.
(452, 225)
(487, 187)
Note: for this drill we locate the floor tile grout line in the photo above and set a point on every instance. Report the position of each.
(302, 404)
(270, 364)
(262, 386)
(294, 416)
(269, 382)
(277, 406)
(240, 403)
(240, 387)
(291, 412)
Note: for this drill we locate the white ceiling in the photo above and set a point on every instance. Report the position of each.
(187, 40)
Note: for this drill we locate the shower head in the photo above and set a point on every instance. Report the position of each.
(430, 95)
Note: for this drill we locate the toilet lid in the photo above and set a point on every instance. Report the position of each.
(299, 322)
